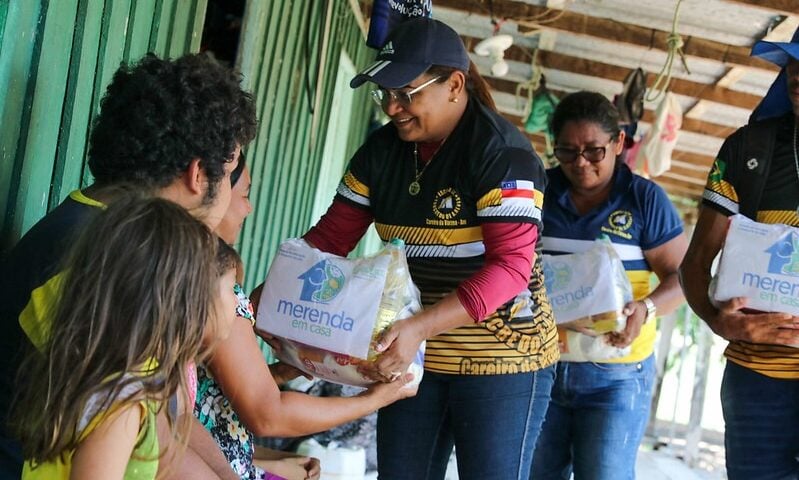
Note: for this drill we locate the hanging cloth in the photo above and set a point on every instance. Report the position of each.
(654, 156)
(542, 106)
(387, 14)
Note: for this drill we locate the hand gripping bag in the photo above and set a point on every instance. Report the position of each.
(588, 290)
(327, 311)
(760, 262)
(578, 347)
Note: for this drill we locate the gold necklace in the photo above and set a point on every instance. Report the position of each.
(414, 188)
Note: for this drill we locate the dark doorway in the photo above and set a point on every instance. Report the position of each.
(222, 29)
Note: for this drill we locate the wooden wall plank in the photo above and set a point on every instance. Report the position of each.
(137, 42)
(56, 60)
(76, 118)
(20, 38)
(48, 91)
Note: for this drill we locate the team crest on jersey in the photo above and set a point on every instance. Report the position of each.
(447, 204)
(618, 223)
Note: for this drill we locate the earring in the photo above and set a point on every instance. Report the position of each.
(454, 100)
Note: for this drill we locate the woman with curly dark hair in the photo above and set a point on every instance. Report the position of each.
(173, 128)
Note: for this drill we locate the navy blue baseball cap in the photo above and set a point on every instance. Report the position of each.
(410, 49)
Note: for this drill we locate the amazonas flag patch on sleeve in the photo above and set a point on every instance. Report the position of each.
(513, 199)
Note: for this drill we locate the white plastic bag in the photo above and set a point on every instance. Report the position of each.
(760, 262)
(327, 311)
(588, 290)
(577, 347)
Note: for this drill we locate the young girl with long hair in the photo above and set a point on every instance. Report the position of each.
(144, 293)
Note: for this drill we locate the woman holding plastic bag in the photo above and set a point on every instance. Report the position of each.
(238, 396)
(462, 187)
(598, 411)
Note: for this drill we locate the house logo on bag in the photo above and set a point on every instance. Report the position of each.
(322, 282)
(784, 256)
(556, 276)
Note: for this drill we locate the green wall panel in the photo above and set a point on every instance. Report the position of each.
(58, 56)
(287, 48)
(56, 59)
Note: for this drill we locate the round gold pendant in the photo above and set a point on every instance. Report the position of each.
(414, 188)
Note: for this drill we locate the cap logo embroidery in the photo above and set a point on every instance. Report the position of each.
(388, 49)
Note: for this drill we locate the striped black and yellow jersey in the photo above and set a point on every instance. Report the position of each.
(485, 171)
(778, 204)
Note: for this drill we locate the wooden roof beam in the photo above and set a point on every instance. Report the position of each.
(612, 30)
(690, 164)
(568, 63)
(675, 187)
(671, 182)
(689, 124)
(785, 7)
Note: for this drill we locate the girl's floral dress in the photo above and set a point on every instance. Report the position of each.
(216, 414)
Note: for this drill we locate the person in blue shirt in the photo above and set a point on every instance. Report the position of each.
(598, 411)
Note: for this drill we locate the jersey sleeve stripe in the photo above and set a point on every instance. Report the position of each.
(466, 250)
(720, 200)
(353, 190)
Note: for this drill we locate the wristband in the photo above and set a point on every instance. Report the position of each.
(651, 309)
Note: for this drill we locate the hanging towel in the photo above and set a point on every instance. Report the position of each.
(654, 157)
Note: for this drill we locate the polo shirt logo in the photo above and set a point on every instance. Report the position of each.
(447, 204)
(619, 221)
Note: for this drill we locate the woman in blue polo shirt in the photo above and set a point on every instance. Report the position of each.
(598, 411)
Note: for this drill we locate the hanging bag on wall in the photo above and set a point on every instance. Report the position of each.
(630, 102)
(654, 157)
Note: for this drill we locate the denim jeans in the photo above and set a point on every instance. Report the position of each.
(492, 420)
(595, 421)
(762, 425)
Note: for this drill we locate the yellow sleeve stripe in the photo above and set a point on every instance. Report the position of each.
(722, 187)
(491, 199)
(355, 185)
(494, 199)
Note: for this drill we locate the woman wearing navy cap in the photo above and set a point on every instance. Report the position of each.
(463, 188)
(599, 410)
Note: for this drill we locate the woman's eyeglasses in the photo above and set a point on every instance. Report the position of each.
(383, 96)
(591, 154)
